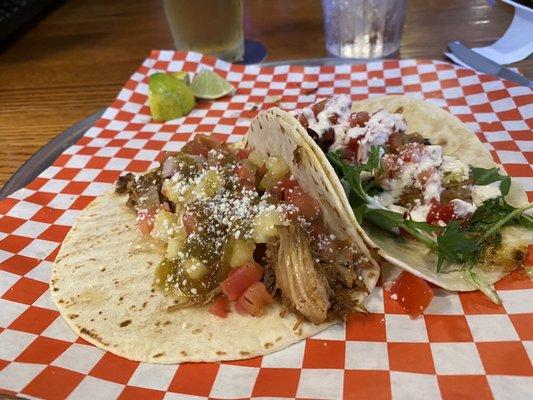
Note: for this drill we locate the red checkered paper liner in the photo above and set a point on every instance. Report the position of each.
(462, 347)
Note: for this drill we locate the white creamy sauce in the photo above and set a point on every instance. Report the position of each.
(462, 209)
(377, 131)
(340, 105)
(485, 192)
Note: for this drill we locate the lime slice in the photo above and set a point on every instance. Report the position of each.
(182, 76)
(168, 97)
(209, 85)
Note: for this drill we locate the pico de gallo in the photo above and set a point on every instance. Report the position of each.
(236, 228)
(406, 185)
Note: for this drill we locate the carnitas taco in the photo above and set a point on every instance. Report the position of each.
(222, 252)
(421, 188)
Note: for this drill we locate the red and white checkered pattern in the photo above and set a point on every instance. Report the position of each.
(463, 347)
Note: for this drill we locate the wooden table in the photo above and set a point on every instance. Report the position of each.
(75, 60)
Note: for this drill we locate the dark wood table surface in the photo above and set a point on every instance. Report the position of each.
(74, 61)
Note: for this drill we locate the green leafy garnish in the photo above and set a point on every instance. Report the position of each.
(496, 213)
(454, 245)
(484, 177)
(456, 242)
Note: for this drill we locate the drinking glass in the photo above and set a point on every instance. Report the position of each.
(207, 26)
(363, 29)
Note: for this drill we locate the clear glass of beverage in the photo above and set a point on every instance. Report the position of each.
(207, 26)
(363, 29)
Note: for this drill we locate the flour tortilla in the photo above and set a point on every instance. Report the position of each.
(457, 140)
(106, 293)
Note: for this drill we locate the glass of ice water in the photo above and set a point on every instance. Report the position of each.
(363, 29)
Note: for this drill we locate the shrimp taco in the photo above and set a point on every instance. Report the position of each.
(222, 252)
(421, 188)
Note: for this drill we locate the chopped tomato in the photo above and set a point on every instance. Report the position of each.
(411, 152)
(318, 107)
(334, 118)
(350, 151)
(412, 293)
(280, 189)
(307, 206)
(189, 222)
(528, 259)
(240, 310)
(359, 119)
(395, 141)
(195, 148)
(246, 175)
(438, 212)
(220, 306)
(255, 299)
(243, 154)
(146, 218)
(240, 279)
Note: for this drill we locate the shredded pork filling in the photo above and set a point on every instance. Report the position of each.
(317, 274)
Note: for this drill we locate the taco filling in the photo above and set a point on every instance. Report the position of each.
(407, 186)
(237, 228)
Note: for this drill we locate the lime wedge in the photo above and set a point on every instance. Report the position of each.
(182, 76)
(169, 97)
(209, 85)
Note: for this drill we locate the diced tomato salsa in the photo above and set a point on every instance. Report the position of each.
(306, 205)
(220, 306)
(412, 293)
(241, 279)
(255, 299)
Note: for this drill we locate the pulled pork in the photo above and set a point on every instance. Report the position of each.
(144, 191)
(317, 289)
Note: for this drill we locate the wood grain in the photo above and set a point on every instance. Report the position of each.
(74, 61)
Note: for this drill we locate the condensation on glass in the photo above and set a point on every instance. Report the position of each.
(207, 26)
(363, 29)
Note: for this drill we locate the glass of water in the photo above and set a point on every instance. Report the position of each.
(363, 29)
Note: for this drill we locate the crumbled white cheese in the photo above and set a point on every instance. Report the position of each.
(420, 212)
(394, 296)
(485, 192)
(462, 209)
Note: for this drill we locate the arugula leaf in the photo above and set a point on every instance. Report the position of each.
(494, 214)
(351, 174)
(387, 220)
(455, 245)
(525, 220)
(484, 177)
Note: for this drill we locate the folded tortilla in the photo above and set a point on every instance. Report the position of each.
(444, 129)
(107, 294)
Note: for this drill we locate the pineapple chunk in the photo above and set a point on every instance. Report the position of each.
(264, 225)
(256, 159)
(176, 243)
(237, 252)
(163, 225)
(194, 268)
(277, 167)
(168, 189)
(210, 185)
